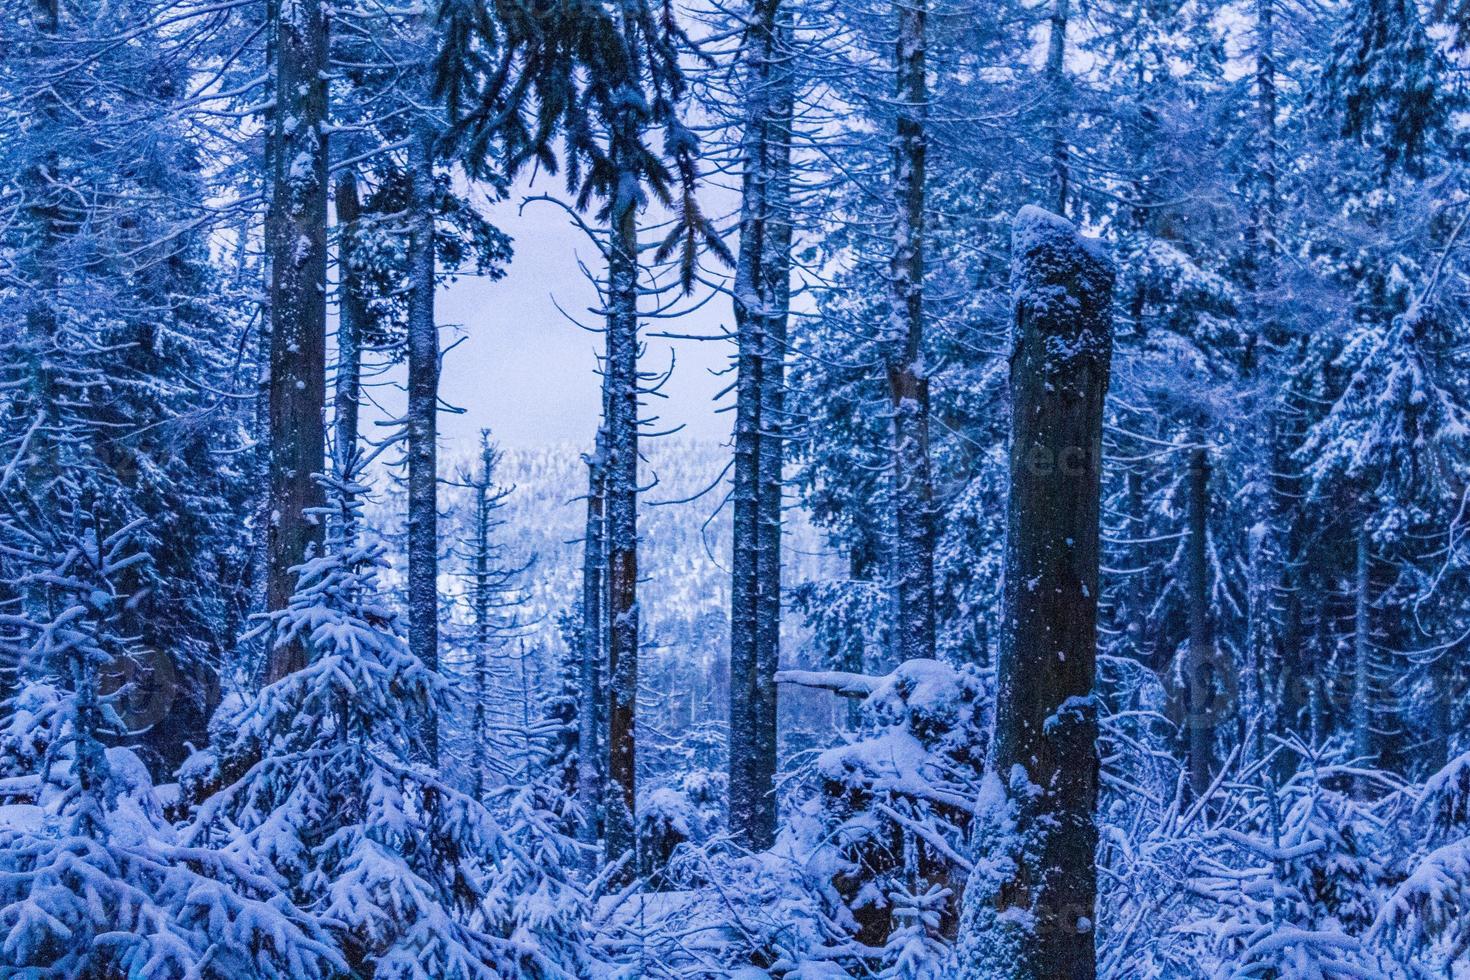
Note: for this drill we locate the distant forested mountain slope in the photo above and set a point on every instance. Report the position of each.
(684, 577)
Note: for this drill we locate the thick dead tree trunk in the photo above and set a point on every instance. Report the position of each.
(1200, 663)
(620, 375)
(762, 296)
(908, 381)
(352, 318)
(589, 703)
(296, 240)
(1030, 913)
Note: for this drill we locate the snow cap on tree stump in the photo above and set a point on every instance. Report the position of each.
(1058, 273)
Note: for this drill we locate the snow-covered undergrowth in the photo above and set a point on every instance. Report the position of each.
(315, 837)
(338, 853)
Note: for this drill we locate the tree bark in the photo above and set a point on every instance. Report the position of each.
(1030, 913)
(423, 425)
(296, 240)
(1448, 686)
(589, 710)
(761, 300)
(1056, 75)
(908, 383)
(352, 317)
(484, 487)
(1200, 667)
(620, 374)
(1362, 663)
(1277, 682)
(776, 283)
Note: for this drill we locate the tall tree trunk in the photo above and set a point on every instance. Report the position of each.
(1029, 913)
(41, 267)
(908, 382)
(1448, 687)
(761, 299)
(589, 708)
(1264, 206)
(40, 271)
(860, 568)
(257, 649)
(1058, 100)
(620, 374)
(776, 287)
(1362, 713)
(352, 317)
(1256, 694)
(484, 487)
(745, 792)
(1200, 666)
(296, 240)
(423, 424)
(1272, 684)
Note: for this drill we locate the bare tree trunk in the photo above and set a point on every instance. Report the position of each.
(1273, 687)
(860, 562)
(908, 382)
(258, 648)
(352, 317)
(1058, 99)
(1030, 913)
(296, 240)
(1260, 241)
(589, 709)
(761, 300)
(620, 374)
(1200, 667)
(745, 792)
(1263, 212)
(423, 424)
(1448, 686)
(40, 264)
(776, 282)
(484, 487)
(1362, 661)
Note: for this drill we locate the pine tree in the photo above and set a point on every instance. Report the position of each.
(492, 599)
(761, 298)
(1291, 885)
(406, 872)
(1385, 80)
(95, 882)
(120, 364)
(601, 79)
(1425, 915)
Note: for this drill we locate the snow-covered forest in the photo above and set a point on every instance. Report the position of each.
(1082, 590)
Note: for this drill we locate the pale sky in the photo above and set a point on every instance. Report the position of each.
(527, 373)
